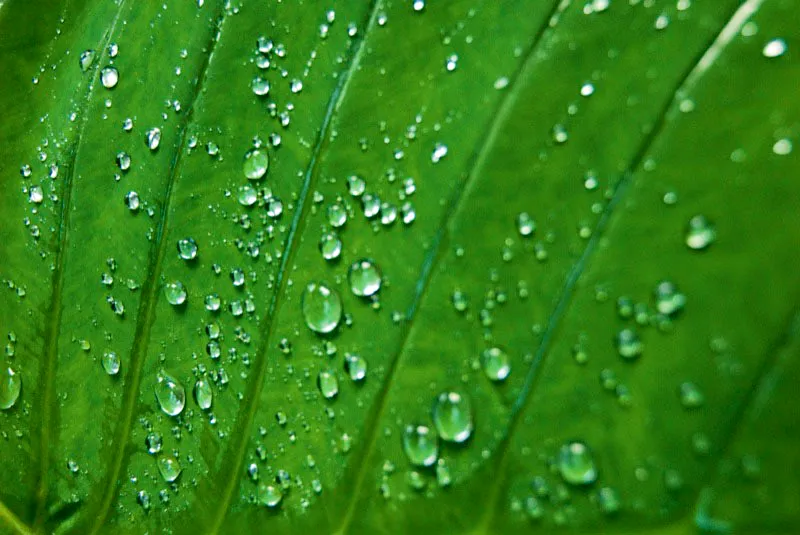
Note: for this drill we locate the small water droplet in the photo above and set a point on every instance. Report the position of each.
(152, 138)
(170, 394)
(175, 293)
(169, 468)
(525, 224)
(629, 346)
(132, 201)
(691, 396)
(576, 464)
(10, 387)
(109, 77)
(203, 394)
(328, 384)
(452, 416)
(364, 277)
(356, 367)
(496, 364)
(212, 302)
(256, 162)
(123, 161)
(669, 301)
(111, 362)
(153, 442)
(187, 248)
(356, 185)
(700, 233)
(86, 59)
(421, 445)
(439, 152)
(322, 308)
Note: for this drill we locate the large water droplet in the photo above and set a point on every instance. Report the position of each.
(576, 464)
(774, 48)
(170, 394)
(328, 384)
(496, 364)
(10, 387)
(175, 293)
(111, 362)
(700, 233)
(256, 162)
(421, 445)
(669, 301)
(452, 416)
(330, 246)
(269, 495)
(187, 248)
(203, 394)
(86, 59)
(109, 77)
(364, 277)
(169, 467)
(691, 396)
(322, 308)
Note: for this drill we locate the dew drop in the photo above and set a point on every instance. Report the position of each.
(132, 201)
(175, 293)
(629, 346)
(111, 362)
(356, 185)
(260, 86)
(669, 301)
(152, 138)
(496, 364)
(169, 468)
(337, 215)
(330, 246)
(421, 445)
(153, 442)
(700, 233)
(187, 248)
(203, 394)
(774, 48)
(109, 77)
(452, 416)
(86, 59)
(328, 384)
(322, 308)
(247, 195)
(256, 162)
(170, 394)
(356, 367)
(525, 224)
(123, 161)
(269, 495)
(691, 396)
(576, 464)
(364, 277)
(212, 302)
(10, 387)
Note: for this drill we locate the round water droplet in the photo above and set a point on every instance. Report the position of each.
(175, 293)
(153, 138)
(111, 362)
(328, 384)
(153, 443)
(356, 367)
(109, 77)
(774, 48)
(187, 248)
(452, 416)
(608, 500)
(364, 277)
(330, 246)
(260, 86)
(700, 233)
(269, 495)
(525, 224)
(247, 195)
(576, 464)
(256, 162)
(169, 467)
(496, 364)
(629, 346)
(421, 445)
(691, 396)
(322, 308)
(203, 394)
(170, 394)
(10, 387)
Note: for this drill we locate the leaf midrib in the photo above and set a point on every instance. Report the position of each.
(241, 438)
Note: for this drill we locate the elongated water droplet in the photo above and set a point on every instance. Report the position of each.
(452, 416)
(525, 224)
(203, 394)
(256, 162)
(421, 445)
(170, 394)
(111, 362)
(496, 364)
(328, 384)
(109, 77)
(86, 59)
(153, 138)
(10, 387)
(175, 293)
(187, 248)
(322, 308)
(669, 301)
(356, 367)
(576, 464)
(169, 467)
(691, 396)
(364, 277)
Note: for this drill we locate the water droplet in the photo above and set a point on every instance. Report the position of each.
(187, 248)
(525, 224)
(169, 467)
(330, 246)
(132, 201)
(439, 152)
(337, 215)
(153, 138)
(111, 362)
(576, 464)
(212, 302)
(296, 86)
(247, 195)
(322, 308)
(175, 293)
(669, 301)
(170, 394)
(452, 416)
(269, 495)
(691, 396)
(86, 59)
(782, 147)
(700, 233)
(587, 89)
(774, 48)
(123, 161)
(328, 384)
(608, 500)
(496, 364)
(421, 445)
(260, 86)
(10, 387)
(203, 394)
(364, 277)
(109, 77)
(356, 367)
(256, 162)
(418, 5)
(356, 185)
(36, 194)
(153, 443)
(629, 346)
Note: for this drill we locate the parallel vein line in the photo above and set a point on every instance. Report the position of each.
(53, 331)
(147, 305)
(689, 78)
(434, 254)
(254, 388)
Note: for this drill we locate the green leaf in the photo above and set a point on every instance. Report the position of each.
(534, 171)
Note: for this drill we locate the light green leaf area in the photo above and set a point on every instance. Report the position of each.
(512, 266)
